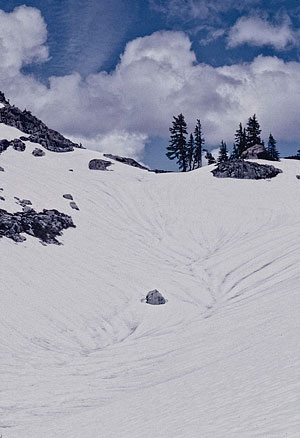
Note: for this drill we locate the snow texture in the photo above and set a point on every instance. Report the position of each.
(83, 356)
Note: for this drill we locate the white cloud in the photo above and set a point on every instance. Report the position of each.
(22, 36)
(117, 142)
(157, 77)
(257, 32)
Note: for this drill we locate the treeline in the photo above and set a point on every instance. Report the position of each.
(188, 149)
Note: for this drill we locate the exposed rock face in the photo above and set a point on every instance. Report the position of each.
(125, 160)
(254, 152)
(132, 162)
(74, 205)
(18, 145)
(37, 130)
(4, 144)
(68, 196)
(245, 170)
(98, 164)
(155, 298)
(46, 225)
(37, 152)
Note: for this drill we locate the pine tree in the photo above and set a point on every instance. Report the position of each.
(240, 140)
(223, 153)
(253, 131)
(235, 153)
(178, 147)
(191, 152)
(298, 153)
(273, 154)
(199, 142)
(210, 158)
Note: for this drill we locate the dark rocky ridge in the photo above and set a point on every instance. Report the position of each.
(132, 162)
(45, 225)
(37, 130)
(245, 170)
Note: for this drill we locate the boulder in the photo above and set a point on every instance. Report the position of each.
(245, 170)
(37, 152)
(254, 152)
(2, 198)
(74, 205)
(68, 196)
(298, 176)
(98, 164)
(18, 145)
(155, 298)
(1, 169)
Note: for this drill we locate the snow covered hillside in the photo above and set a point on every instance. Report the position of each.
(81, 354)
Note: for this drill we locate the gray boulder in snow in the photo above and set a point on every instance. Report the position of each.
(98, 164)
(68, 196)
(37, 152)
(1, 169)
(245, 170)
(74, 205)
(298, 176)
(155, 298)
(254, 152)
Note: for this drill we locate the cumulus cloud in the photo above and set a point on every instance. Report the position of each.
(157, 77)
(22, 36)
(258, 32)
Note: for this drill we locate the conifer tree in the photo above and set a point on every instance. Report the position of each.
(298, 153)
(223, 153)
(235, 153)
(240, 140)
(191, 152)
(253, 131)
(210, 158)
(273, 154)
(178, 147)
(199, 142)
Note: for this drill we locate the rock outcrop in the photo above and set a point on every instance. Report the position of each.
(45, 225)
(245, 170)
(37, 130)
(132, 162)
(37, 152)
(155, 298)
(17, 144)
(98, 164)
(255, 152)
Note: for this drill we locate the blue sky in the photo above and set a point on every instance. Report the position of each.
(112, 74)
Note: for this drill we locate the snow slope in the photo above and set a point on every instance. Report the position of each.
(83, 356)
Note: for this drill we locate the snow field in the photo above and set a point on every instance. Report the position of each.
(82, 355)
